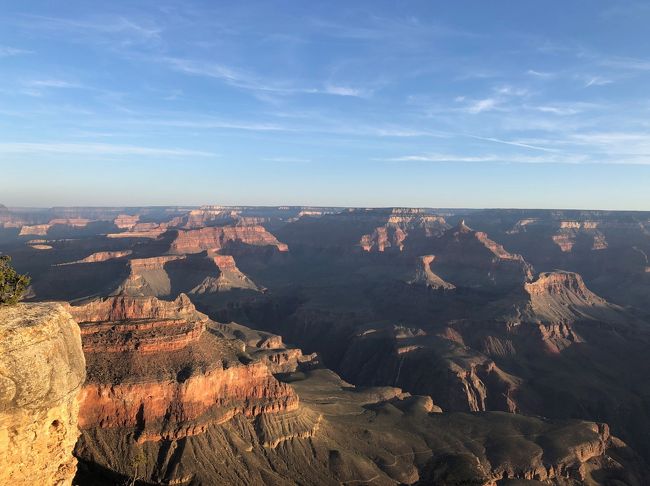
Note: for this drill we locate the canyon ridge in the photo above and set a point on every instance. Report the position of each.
(321, 345)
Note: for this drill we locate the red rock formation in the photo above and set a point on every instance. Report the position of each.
(42, 229)
(101, 256)
(383, 238)
(198, 218)
(153, 368)
(472, 259)
(561, 284)
(399, 225)
(214, 238)
(126, 221)
(171, 410)
(36, 229)
(568, 232)
(425, 275)
(124, 308)
(495, 248)
(148, 277)
(230, 277)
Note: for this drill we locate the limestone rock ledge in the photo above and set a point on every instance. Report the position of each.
(42, 369)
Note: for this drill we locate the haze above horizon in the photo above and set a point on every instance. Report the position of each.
(375, 103)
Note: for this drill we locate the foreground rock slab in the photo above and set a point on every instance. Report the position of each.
(42, 369)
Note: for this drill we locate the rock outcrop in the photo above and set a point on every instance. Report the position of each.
(570, 231)
(42, 369)
(147, 277)
(126, 221)
(161, 371)
(215, 238)
(557, 297)
(400, 225)
(230, 277)
(471, 259)
(100, 256)
(42, 229)
(424, 275)
(457, 378)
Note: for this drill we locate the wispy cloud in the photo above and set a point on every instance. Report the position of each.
(101, 149)
(209, 124)
(490, 158)
(442, 158)
(615, 143)
(597, 81)
(558, 110)
(628, 63)
(242, 79)
(345, 91)
(297, 160)
(106, 24)
(479, 106)
(514, 143)
(53, 83)
(540, 74)
(6, 51)
(502, 95)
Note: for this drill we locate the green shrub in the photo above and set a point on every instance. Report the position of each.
(12, 284)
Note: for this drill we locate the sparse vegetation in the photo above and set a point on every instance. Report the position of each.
(12, 284)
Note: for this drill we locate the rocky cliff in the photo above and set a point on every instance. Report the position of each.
(148, 277)
(100, 256)
(215, 238)
(401, 224)
(42, 229)
(42, 369)
(230, 277)
(471, 259)
(160, 371)
(559, 296)
(424, 275)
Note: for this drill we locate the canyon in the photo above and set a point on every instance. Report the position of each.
(297, 345)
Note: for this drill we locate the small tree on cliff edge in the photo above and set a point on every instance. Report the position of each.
(12, 284)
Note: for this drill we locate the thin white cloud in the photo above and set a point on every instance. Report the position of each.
(296, 160)
(100, 25)
(597, 81)
(540, 74)
(52, 83)
(6, 51)
(442, 158)
(636, 144)
(480, 106)
(248, 81)
(208, 124)
(344, 91)
(512, 91)
(491, 158)
(514, 143)
(558, 110)
(90, 149)
(629, 63)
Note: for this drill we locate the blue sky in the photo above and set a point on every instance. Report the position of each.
(369, 103)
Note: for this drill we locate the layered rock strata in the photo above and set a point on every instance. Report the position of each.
(400, 225)
(215, 238)
(42, 229)
(158, 371)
